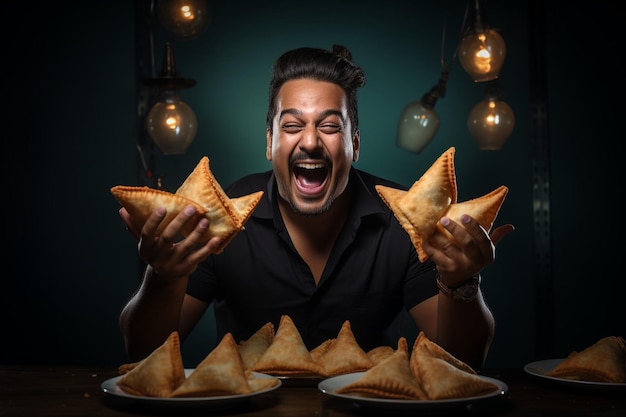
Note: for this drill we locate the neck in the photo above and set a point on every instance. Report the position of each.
(314, 236)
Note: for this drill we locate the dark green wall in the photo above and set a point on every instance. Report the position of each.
(73, 266)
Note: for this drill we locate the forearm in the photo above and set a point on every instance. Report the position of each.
(151, 314)
(465, 329)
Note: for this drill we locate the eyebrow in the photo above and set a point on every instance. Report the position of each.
(324, 114)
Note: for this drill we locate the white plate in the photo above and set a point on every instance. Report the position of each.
(110, 387)
(330, 385)
(539, 368)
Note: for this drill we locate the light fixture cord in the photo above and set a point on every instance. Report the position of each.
(478, 23)
(439, 90)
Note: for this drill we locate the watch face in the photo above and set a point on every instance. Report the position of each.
(467, 292)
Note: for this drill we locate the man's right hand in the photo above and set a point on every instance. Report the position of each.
(167, 256)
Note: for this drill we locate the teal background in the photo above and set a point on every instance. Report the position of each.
(72, 132)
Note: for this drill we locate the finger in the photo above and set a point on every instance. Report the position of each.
(498, 233)
(472, 237)
(198, 232)
(149, 229)
(174, 228)
(191, 242)
(441, 250)
(464, 234)
(131, 227)
(474, 228)
(205, 250)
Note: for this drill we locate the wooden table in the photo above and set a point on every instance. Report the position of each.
(75, 391)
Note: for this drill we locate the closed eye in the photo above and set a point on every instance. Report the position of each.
(330, 129)
(292, 128)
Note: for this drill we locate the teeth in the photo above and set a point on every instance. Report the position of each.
(310, 166)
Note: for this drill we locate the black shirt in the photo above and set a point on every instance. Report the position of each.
(372, 275)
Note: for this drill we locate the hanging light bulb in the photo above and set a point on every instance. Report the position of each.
(482, 49)
(491, 121)
(417, 127)
(184, 19)
(419, 121)
(171, 123)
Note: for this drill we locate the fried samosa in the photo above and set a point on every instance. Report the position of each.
(423, 342)
(443, 376)
(419, 208)
(287, 355)
(604, 361)
(221, 372)
(344, 355)
(434, 196)
(483, 209)
(442, 380)
(255, 346)
(391, 378)
(380, 353)
(318, 351)
(159, 374)
(200, 189)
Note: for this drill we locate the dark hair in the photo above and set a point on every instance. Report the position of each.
(318, 64)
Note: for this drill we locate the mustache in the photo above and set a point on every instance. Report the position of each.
(303, 156)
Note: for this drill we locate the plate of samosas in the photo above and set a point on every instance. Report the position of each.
(160, 379)
(427, 378)
(599, 366)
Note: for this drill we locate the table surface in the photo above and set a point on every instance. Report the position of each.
(76, 391)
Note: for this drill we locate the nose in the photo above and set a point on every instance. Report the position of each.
(310, 138)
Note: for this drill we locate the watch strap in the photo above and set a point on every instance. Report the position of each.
(466, 291)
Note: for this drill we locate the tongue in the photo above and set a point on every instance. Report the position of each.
(311, 178)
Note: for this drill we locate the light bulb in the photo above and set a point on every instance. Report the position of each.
(481, 54)
(172, 124)
(419, 121)
(417, 126)
(185, 19)
(490, 123)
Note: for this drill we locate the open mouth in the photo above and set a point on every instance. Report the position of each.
(310, 177)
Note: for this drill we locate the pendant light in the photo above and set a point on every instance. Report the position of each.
(482, 49)
(419, 121)
(492, 120)
(184, 19)
(171, 123)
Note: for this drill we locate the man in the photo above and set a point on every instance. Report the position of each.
(320, 246)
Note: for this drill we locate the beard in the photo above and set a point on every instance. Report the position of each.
(308, 212)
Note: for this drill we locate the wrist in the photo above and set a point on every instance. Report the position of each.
(157, 280)
(465, 292)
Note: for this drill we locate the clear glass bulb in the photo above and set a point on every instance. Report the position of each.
(490, 123)
(185, 19)
(172, 124)
(417, 126)
(482, 54)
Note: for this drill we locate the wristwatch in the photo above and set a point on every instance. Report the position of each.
(467, 291)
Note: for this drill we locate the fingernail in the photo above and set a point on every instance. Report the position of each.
(160, 211)
(465, 219)
(190, 210)
(444, 221)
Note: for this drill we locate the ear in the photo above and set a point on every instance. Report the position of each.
(268, 148)
(356, 145)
